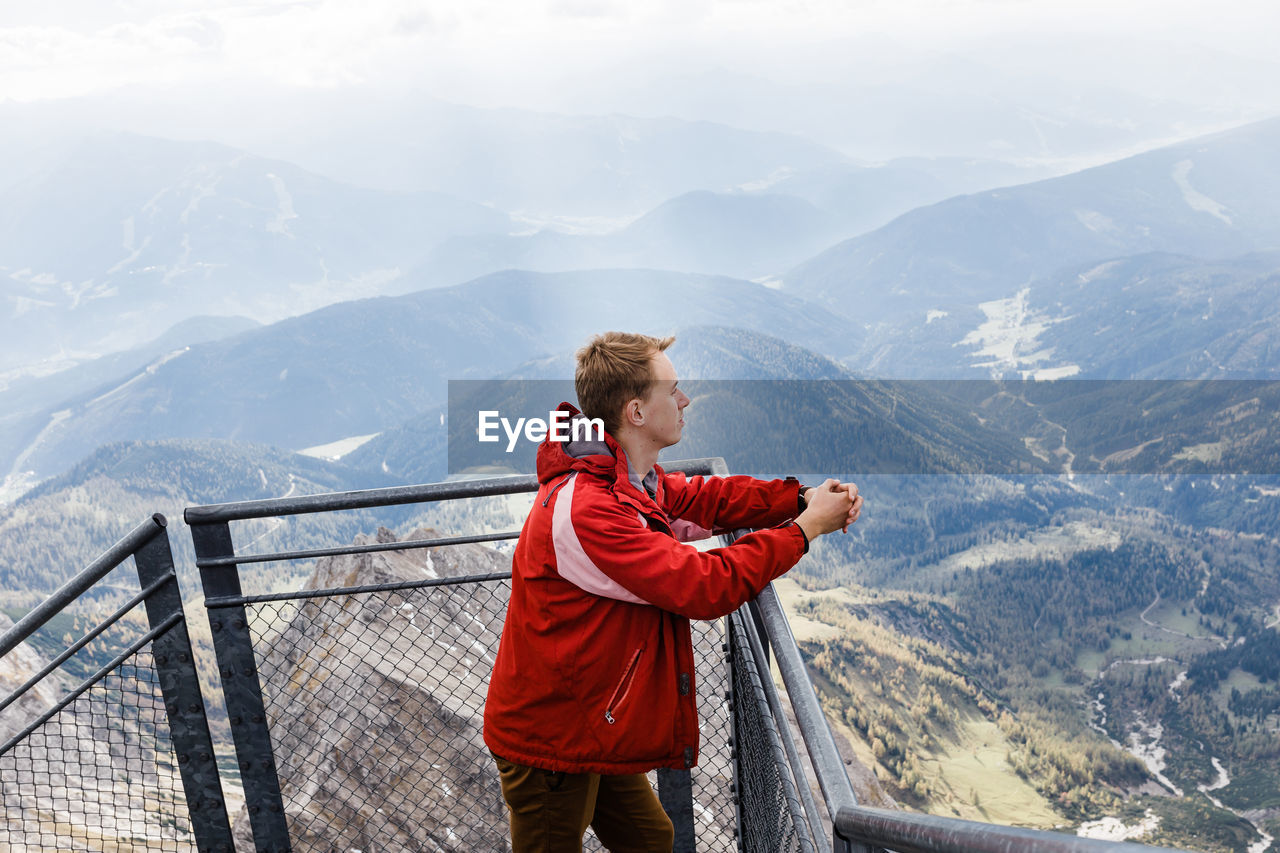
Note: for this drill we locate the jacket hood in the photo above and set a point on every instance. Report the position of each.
(603, 458)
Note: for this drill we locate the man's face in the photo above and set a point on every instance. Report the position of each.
(664, 408)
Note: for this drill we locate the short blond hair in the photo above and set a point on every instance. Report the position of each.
(613, 368)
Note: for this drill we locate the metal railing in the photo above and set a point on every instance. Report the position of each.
(124, 758)
(355, 710)
(861, 828)
(318, 681)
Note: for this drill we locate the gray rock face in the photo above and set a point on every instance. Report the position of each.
(16, 668)
(100, 774)
(376, 699)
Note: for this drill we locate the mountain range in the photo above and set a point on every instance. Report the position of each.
(118, 237)
(363, 366)
(1213, 197)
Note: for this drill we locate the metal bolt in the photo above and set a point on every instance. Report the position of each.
(245, 765)
(204, 756)
(182, 657)
(161, 660)
(254, 809)
(257, 718)
(227, 672)
(193, 707)
(183, 758)
(275, 807)
(235, 721)
(237, 623)
(216, 625)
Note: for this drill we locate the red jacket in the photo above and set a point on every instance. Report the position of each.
(595, 669)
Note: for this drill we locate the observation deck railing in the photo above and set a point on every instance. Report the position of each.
(355, 712)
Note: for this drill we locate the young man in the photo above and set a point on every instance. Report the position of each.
(593, 684)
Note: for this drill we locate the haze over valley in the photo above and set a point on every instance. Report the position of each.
(246, 267)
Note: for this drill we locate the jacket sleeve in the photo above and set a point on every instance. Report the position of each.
(728, 503)
(658, 570)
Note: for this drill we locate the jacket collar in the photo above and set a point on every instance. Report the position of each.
(605, 459)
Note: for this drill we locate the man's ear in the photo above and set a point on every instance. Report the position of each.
(632, 414)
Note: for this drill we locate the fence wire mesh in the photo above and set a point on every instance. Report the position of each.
(375, 702)
(769, 805)
(99, 775)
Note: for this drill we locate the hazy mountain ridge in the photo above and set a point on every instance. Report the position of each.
(744, 235)
(363, 366)
(166, 230)
(1213, 197)
(1151, 316)
(60, 526)
(737, 377)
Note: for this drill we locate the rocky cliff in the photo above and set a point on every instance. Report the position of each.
(376, 700)
(98, 775)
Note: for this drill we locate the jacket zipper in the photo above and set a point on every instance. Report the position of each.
(624, 687)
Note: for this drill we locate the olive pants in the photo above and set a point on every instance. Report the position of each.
(551, 811)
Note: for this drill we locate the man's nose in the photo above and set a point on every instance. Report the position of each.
(684, 400)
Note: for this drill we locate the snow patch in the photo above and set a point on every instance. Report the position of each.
(1195, 199)
(335, 450)
(127, 243)
(1144, 744)
(16, 485)
(1114, 829)
(1008, 340)
(285, 211)
(1097, 272)
(1096, 222)
(1222, 781)
(1173, 690)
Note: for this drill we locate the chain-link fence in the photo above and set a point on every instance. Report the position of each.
(769, 804)
(105, 746)
(100, 774)
(375, 701)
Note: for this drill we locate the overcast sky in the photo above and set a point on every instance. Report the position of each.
(503, 50)
(1063, 85)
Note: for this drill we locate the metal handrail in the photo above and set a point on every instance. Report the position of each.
(88, 638)
(801, 781)
(78, 585)
(171, 660)
(908, 832)
(393, 496)
(833, 779)
(905, 832)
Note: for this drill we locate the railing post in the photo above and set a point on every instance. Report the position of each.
(183, 702)
(243, 692)
(675, 792)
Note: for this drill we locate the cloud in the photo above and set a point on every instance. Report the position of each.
(60, 49)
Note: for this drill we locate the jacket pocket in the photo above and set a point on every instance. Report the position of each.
(623, 689)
